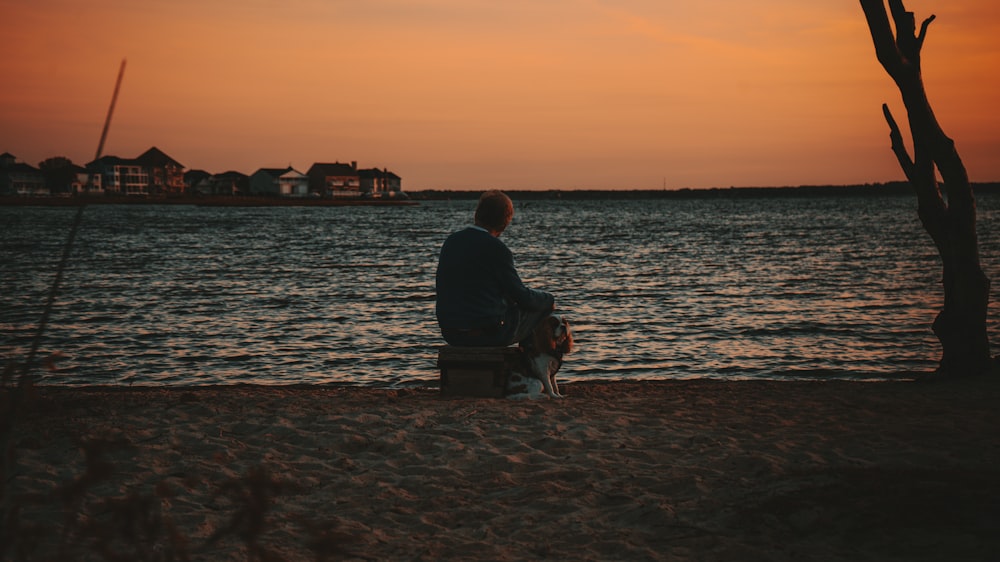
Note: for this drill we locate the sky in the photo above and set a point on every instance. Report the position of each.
(475, 94)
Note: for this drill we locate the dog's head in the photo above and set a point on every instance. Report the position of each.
(553, 336)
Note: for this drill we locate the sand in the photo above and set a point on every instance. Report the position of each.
(679, 470)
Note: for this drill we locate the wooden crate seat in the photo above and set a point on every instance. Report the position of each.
(476, 371)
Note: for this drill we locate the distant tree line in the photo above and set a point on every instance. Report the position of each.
(901, 188)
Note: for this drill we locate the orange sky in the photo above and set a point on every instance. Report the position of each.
(519, 94)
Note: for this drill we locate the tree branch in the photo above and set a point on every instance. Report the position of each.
(898, 148)
(923, 30)
(932, 208)
(885, 44)
(906, 35)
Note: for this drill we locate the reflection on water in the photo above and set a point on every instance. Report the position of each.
(654, 289)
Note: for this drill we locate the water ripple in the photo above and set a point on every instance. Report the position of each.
(775, 288)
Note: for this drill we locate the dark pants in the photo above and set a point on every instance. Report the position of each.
(516, 328)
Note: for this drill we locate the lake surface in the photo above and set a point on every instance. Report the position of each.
(773, 288)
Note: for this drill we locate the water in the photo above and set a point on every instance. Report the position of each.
(711, 288)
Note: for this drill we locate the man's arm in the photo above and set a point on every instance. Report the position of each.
(515, 290)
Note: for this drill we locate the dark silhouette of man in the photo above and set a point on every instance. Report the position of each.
(481, 300)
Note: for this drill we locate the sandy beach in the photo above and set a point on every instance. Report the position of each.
(679, 470)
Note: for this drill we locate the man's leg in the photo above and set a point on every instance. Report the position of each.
(475, 338)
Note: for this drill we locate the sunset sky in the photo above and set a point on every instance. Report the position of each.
(518, 94)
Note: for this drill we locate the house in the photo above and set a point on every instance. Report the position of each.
(196, 181)
(166, 175)
(380, 183)
(152, 172)
(229, 183)
(335, 180)
(121, 176)
(87, 182)
(18, 178)
(200, 182)
(282, 182)
(80, 181)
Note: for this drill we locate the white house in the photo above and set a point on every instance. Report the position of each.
(282, 182)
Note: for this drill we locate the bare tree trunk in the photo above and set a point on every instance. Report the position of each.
(950, 219)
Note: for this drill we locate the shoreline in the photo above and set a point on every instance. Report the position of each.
(894, 189)
(685, 470)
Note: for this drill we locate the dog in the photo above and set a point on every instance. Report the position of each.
(550, 341)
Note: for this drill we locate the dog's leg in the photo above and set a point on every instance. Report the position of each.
(554, 367)
(541, 367)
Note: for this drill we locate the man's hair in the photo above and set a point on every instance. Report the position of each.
(494, 211)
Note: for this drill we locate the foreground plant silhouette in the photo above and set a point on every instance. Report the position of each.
(134, 525)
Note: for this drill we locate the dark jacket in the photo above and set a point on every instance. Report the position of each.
(478, 287)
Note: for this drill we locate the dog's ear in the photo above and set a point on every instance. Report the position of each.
(543, 336)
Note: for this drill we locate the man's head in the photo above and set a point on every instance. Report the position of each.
(494, 212)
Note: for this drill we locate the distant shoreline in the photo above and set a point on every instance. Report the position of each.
(804, 191)
(414, 197)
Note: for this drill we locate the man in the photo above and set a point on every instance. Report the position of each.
(481, 300)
